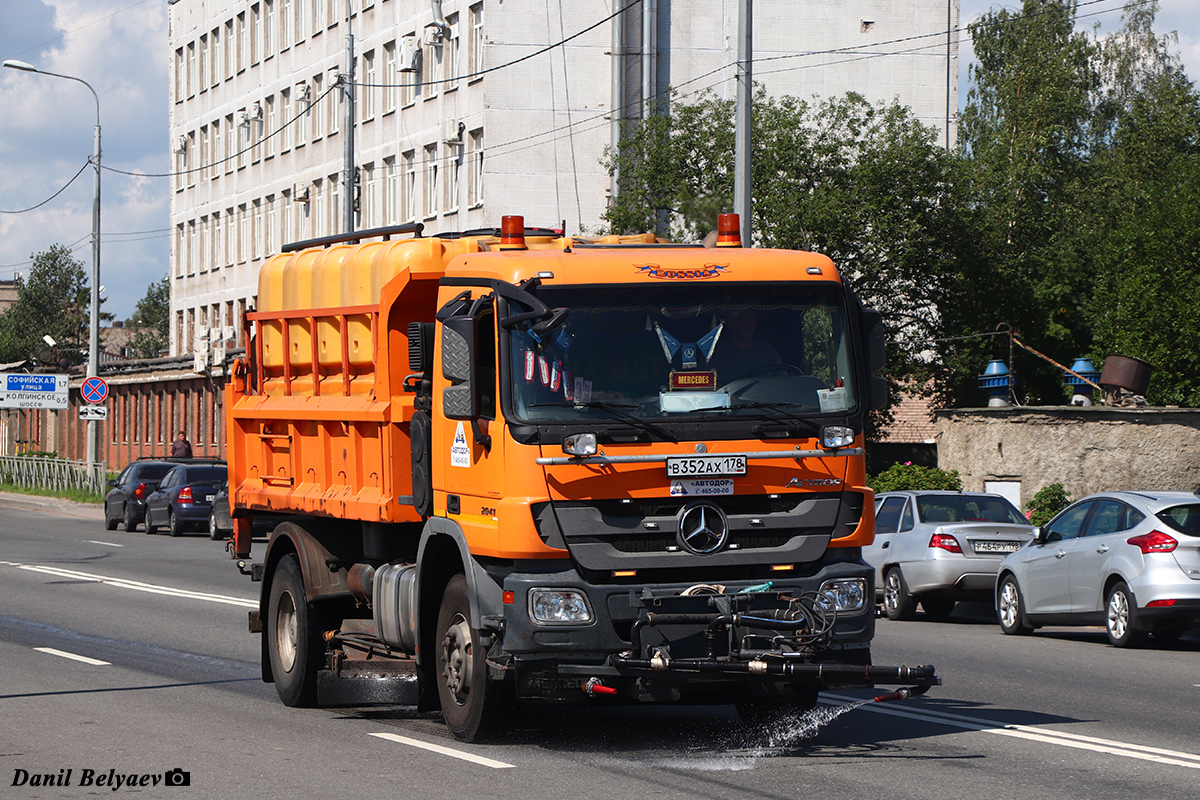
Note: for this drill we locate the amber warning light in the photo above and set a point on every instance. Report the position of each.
(729, 230)
(512, 233)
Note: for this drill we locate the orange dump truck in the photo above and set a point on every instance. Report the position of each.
(510, 466)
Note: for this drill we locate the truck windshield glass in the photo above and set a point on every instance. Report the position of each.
(667, 350)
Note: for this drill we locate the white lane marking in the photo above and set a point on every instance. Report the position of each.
(1034, 734)
(138, 586)
(95, 662)
(106, 544)
(446, 751)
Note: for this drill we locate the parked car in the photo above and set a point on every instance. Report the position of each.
(126, 498)
(220, 526)
(185, 497)
(936, 548)
(1127, 560)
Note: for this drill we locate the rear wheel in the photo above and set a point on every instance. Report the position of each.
(897, 602)
(131, 521)
(174, 526)
(1011, 608)
(475, 708)
(1120, 618)
(294, 643)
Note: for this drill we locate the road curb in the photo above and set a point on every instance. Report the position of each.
(53, 505)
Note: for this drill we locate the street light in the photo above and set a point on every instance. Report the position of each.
(93, 368)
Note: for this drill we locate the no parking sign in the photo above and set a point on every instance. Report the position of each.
(94, 390)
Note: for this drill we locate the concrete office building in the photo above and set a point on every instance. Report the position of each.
(466, 111)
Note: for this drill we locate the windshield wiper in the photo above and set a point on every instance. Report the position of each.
(782, 411)
(615, 410)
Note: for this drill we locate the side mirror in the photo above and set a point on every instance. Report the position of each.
(112, 483)
(873, 340)
(1039, 535)
(459, 336)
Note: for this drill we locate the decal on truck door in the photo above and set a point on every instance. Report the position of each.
(460, 451)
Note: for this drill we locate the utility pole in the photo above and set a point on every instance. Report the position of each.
(348, 182)
(742, 202)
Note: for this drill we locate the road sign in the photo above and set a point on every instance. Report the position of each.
(19, 390)
(93, 412)
(94, 390)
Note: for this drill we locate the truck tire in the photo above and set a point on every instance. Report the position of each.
(294, 641)
(475, 708)
(897, 602)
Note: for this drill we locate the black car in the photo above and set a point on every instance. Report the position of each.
(126, 499)
(184, 497)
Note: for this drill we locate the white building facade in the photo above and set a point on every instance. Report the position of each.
(467, 111)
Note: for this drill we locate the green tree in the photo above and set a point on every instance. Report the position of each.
(1024, 133)
(49, 302)
(151, 319)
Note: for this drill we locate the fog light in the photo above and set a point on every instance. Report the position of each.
(559, 607)
(580, 444)
(843, 594)
(833, 436)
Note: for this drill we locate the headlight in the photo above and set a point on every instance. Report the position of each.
(837, 436)
(559, 607)
(580, 444)
(843, 594)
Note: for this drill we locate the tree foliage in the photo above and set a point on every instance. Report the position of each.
(913, 477)
(151, 318)
(51, 301)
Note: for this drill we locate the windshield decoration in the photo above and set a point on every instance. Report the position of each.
(689, 353)
(697, 274)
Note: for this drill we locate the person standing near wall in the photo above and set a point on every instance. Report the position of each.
(181, 447)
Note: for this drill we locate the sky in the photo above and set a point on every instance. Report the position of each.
(120, 48)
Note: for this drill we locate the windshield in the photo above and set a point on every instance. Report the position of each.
(968, 508)
(667, 350)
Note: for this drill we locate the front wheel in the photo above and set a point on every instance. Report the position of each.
(110, 524)
(150, 528)
(1120, 618)
(898, 604)
(474, 707)
(294, 643)
(1010, 608)
(214, 533)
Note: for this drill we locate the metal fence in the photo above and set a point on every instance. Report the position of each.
(36, 472)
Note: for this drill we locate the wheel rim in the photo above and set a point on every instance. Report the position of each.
(456, 655)
(286, 632)
(1118, 614)
(1010, 601)
(891, 591)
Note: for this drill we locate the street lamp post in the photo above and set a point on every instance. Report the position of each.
(93, 367)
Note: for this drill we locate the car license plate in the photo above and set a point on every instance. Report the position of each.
(705, 466)
(996, 547)
(208, 498)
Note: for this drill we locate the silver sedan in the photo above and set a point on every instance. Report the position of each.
(936, 548)
(1127, 560)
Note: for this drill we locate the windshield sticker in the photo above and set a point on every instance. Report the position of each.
(833, 399)
(698, 274)
(694, 380)
(691, 487)
(460, 451)
(583, 390)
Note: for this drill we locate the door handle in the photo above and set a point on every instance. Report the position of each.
(885, 546)
(1060, 554)
(1102, 548)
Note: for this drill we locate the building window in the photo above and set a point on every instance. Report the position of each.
(180, 250)
(367, 89)
(432, 188)
(408, 188)
(255, 34)
(202, 65)
(454, 162)
(475, 167)
(285, 119)
(218, 148)
(191, 69)
(450, 53)
(271, 126)
(268, 29)
(243, 239)
(179, 86)
(286, 24)
(270, 229)
(390, 77)
(230, 49)
(475, 47)
(242, 49)
(334, 104)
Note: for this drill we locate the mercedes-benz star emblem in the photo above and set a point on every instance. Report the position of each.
(703, 529)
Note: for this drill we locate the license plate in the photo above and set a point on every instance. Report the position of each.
(996, 547)
(208, 498)
(706, 466)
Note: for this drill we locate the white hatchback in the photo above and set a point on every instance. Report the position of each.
(1127, 560)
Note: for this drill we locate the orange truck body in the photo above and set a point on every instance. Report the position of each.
(344, 421)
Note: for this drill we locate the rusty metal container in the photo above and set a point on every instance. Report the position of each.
(1125, 372)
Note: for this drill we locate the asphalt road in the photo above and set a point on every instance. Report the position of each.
(170, 681)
